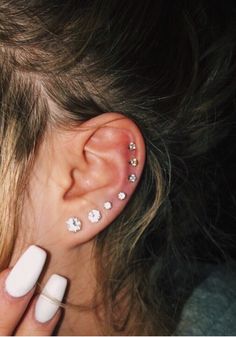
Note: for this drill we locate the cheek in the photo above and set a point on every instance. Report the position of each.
(40, 216)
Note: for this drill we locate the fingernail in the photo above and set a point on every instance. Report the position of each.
(25, 273)
(45, 307)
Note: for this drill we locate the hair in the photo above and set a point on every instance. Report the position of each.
(167, 65)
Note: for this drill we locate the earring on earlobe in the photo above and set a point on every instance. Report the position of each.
(94, 215)
(74, 224)
(107, 205)
(122, 195)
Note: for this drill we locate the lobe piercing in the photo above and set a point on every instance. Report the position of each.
(74, 224)
(133, 162)
(107, 205)
(132, 178)
(132, 146)
(122, 195)
(94, 215)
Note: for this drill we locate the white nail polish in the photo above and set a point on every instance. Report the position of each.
(45, 307)
(26, 272)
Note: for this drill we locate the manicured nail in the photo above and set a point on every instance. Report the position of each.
(25, 273)
(50, 298)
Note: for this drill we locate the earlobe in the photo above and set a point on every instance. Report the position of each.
(105, 163)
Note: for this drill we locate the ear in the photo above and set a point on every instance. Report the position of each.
(94, 170)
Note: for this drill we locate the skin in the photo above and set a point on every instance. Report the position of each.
(75, 171)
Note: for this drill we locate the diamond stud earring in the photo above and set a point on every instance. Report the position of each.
(132, 178)
(107, 205)
(133, 162)
(74, 224)
(94, 215)
(122, 196)
(132, 146)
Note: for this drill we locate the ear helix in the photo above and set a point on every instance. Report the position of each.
(74, 224)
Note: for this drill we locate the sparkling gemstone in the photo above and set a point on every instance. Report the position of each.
(74, 224)
(122, 195)
(132, 178)
(132, 146)
(94, 216)
(133, 162)
(107, 205)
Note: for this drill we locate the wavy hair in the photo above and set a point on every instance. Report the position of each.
(167, 65)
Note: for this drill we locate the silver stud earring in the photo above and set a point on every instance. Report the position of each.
(107, 205)
(132, 146)
(122, 196)
(94, 216)
(74, 224)
(133, 162)
(132, 178)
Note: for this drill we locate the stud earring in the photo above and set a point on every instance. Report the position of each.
(132, 178)
(74, 224)
(94, 216)
(107, 205)
(122, 196)
(133, 162)
(132, 146)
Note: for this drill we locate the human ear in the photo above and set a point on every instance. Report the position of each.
(95, 169)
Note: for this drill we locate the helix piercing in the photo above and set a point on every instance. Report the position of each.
(133, 162)
(74, 224)
(132, 146)
(132, 178)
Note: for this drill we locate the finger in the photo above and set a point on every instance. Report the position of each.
(44, 313)
(11, 309)
(17, 287)
(31, 327)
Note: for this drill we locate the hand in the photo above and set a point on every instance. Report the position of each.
(22, 313)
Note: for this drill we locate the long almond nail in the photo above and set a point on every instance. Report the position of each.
(24, 275)
(50, 298)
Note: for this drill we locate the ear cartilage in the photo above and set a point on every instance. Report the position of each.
(132, 178)
(74, 224)
(107, 205)
(132, 146)
(122, 196)
(94, 216)
(133, 162)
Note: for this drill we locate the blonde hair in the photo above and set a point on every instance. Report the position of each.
(112, 56)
